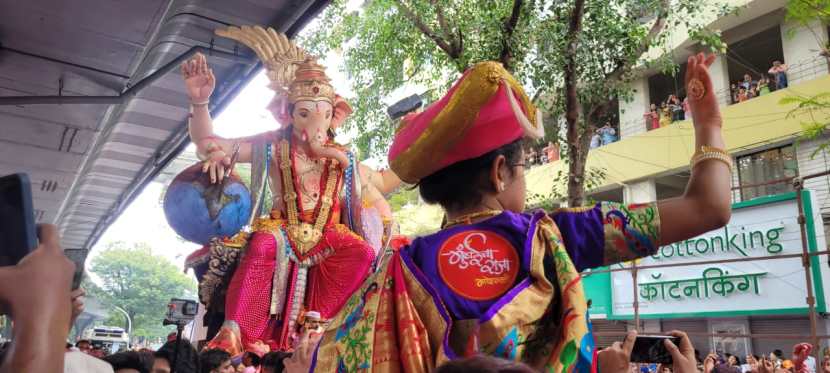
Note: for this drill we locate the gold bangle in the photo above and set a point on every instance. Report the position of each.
(701, 157)
(197, 104)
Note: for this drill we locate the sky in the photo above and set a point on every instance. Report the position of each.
(144, 220)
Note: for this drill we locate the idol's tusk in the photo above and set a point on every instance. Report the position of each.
(529, 130)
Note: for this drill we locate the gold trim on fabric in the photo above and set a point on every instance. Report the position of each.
(455, 119)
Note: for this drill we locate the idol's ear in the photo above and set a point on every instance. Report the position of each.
(279, 110)
(342, 110)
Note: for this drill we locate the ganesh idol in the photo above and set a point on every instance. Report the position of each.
(328, 219)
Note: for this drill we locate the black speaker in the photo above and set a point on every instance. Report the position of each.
(404, 106)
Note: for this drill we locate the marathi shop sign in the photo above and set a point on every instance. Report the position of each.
(762, 228)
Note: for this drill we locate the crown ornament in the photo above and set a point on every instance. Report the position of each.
(292, 72)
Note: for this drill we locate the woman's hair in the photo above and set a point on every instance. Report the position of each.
(462, 185)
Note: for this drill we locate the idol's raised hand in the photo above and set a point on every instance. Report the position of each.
(199, 79)
(700, 92)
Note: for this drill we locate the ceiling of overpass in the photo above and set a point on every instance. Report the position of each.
(92, 105)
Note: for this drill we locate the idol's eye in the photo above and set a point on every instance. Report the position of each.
(328, 114)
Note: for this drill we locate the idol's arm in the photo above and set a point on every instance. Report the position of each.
(706, 204)
(385, 181)
(215, 151)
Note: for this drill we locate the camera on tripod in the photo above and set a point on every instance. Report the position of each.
(180, 312)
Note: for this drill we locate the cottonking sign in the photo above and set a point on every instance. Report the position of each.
(762, 228)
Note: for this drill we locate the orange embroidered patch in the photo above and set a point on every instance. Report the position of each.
(478, 265)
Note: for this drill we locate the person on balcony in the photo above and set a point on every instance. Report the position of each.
(652, 118)
(779, 71)
(665, 114)
(607, 134)
(676, 108)
(763, 86)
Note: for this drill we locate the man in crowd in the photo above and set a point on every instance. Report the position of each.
(779, 71)
(84, 346)
(215, 361)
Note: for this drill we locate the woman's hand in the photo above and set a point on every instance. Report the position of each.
(617, 358)
(198, 78)
(319, 149)
(699, 89)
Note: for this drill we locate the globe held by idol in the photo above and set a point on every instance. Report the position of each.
(199, 211)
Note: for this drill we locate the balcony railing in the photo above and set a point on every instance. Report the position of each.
(798, 72)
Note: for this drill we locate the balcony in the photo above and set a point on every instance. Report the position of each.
(668, 149)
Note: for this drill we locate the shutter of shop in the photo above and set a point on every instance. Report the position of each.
(608, 326)
(799, 325)
(701, 343)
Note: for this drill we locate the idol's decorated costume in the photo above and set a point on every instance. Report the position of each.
(508, 285)
(300, 257)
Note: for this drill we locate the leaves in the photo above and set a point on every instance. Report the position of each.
(385, 52)
(141, 283)
(817, 109)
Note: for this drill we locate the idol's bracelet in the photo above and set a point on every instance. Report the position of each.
(197, 104)
(212, 149)
(707, 152)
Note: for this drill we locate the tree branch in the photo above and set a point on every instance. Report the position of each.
(509, 28)
(445, 28)
(419, 23)
(626, 64)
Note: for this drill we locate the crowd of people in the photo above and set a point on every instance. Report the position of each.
(550, 152)
(799, 361)
(674, 109)
(671, 110)
(751, 87)
(547, 154)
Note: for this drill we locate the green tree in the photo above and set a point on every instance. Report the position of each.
(815, 108)
(575, 56)
(141, 283)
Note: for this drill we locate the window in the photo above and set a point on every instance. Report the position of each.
(730, 345)
(768, 165)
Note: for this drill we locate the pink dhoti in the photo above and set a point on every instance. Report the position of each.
(344, 262)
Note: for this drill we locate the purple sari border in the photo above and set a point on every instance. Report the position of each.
(507, 298)
(419, 276)
(314, 358)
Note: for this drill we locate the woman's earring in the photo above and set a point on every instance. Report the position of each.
(501, 186)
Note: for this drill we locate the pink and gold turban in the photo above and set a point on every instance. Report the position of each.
(483, 111)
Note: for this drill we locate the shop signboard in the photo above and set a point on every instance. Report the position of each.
(762, 228)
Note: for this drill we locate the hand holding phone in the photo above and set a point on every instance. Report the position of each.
(652, 349)
(18, 234)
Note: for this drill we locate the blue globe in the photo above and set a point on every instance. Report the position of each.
(199, 211)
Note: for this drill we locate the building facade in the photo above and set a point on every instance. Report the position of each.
(724, 305)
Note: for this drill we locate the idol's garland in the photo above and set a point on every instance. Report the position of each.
(713, 279)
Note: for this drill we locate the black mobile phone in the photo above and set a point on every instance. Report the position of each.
(18, 232)
(651, 349)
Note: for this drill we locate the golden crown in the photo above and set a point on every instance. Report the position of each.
(291, 71)
(310, 83)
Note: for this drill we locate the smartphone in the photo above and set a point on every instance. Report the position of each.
(651, 349)
(18, 232)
